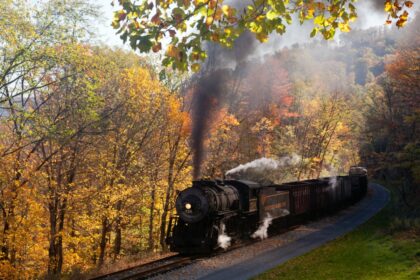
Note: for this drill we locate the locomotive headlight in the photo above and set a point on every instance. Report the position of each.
(192, 205)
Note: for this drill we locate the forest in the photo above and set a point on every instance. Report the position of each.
(95, 142)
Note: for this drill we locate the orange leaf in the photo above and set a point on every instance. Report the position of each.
(156, 18)
(409, 4)
(157, 47)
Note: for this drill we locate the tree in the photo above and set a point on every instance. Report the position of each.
(393, 116)
(73, 114)
(40, 134)
(187, 24)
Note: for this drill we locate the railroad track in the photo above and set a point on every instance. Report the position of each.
(170, 263)
(147, 270)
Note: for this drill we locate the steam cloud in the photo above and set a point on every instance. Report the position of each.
(264, 170)
(261, 232)
(223, 240)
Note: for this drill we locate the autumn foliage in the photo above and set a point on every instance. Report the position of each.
(94, 145)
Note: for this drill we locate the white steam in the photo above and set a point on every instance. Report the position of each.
(264, 170)
(333, 181)
(260, 164)
(265, 164)
(261, 232)
(223, 240)
(285, 212)
(333, 177)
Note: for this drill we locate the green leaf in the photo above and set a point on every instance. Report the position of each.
(124, 37)
(162, 75)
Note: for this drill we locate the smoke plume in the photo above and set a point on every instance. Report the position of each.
(265, 170)
(223, 240)
(209, 90)
(206, 101)
(261, 232)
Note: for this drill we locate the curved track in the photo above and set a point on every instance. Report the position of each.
(376, 199)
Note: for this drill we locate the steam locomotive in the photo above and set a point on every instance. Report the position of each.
(238, 208)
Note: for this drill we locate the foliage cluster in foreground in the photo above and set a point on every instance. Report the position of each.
(187, 24)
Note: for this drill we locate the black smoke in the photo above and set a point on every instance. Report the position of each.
(378, 5)
(207, 101)
(210, 89)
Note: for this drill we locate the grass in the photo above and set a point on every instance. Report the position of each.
(372, 251)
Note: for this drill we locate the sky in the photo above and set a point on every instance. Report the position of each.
(106, 33)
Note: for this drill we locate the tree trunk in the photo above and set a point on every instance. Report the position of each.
(151, 219)
(55, 251)
(117, 240)
(166, 206)
(60, 256)
(8, 215)
(4, 246)
(52, 250)
(102, 245)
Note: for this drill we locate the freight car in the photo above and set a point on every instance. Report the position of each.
(237, 209)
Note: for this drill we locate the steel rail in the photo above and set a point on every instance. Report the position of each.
(170, 263)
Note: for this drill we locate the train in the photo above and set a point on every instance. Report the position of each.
(238, 209)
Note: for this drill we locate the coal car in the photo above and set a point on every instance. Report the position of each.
(238, 208)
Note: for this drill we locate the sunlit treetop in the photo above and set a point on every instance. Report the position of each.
(179, 27)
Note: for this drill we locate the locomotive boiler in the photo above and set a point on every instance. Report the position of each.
(237, 208)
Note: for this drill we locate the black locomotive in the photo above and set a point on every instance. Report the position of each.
(238, 208)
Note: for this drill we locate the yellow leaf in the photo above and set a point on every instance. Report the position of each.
(344, 27)
(262, 37)
(404, 16)
(401, 23)
(310, 13)
(209, 21)
(227, 10)
(195, 67)
(172, 51)
(388, 6)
